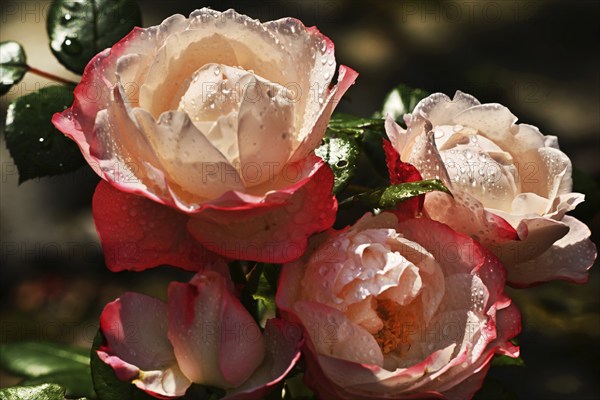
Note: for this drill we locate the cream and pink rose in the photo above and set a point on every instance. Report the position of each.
(216, 118)
(203, 334)
(398, 310)
(511, 185)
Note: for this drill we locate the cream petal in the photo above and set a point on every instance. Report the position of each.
(346, 78)
(398, 136)
(313, 59)
(440, 110)
(492, 120)
(558, 170)
(333, 334)
(527, 137)
(425, 157)
(563, 204)
(175, 63)
(568, 258)
(529, 203)
(536, 236)
(212, 37)
(464, 213)
(265, 131)
(490, 177)
(189, 158)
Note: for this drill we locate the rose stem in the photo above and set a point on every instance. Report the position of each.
(50, 76)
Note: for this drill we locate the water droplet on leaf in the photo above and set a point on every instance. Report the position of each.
(71, 46)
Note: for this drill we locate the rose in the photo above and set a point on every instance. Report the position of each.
(217, 117)
(203, 335)
(398, 310)
(511, 185)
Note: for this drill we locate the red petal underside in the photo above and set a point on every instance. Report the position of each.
(401, 172)
(276, 234)
(137, 233)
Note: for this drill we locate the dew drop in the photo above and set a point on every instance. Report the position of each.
(323, 46)
(71, 46)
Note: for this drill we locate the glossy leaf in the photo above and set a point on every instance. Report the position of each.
(35, 145)
(341, 145)
(387, 198)
(505, 361)
(78, 382)
(262, 286)
(79, 29)
(40, 392)
(13, 65)
(34, 359)
(401, 100)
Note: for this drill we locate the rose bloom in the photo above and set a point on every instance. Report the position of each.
(202, 335)
(205, 128)
(511, 185)
(398, 310)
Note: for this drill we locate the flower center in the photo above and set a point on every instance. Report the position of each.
(399, 322)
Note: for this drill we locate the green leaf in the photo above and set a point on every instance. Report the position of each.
(36, 146)
(265, 295)
(295, 389)
(262, 286)
(341, 145)
(34, 359)
(41, 392)
(504, 361)
(386, 198)
(106, 384)
(401, 100)
(79, 29)
(78, 382)
(13, 65)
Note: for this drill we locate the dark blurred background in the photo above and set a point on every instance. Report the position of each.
(539, 58)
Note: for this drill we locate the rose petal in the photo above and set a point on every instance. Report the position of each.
(265, 131)
(346, 78)
(312, 59)
(278, 233)
(334, 335)
(464, 213)
(282, 351)
(137, 233)
(568, 259)
(438, 109)
(493, 121)
(197, 170)
(215, 339)
(213, 37)
(401, 172)
(134, 328)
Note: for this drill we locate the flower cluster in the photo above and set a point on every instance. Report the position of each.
(210, 160)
